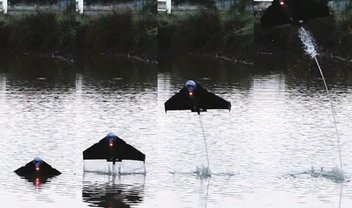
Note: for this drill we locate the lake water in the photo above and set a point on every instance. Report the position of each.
(280, 125)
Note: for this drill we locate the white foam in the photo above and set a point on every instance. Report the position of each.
(336, 174)
(204, 172)
(308, 42)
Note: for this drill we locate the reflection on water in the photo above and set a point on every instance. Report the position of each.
(340, 200)
(55, 111)
(37, 181)
(114, 191)
(2, 88)
(204, 196)
(280, 123)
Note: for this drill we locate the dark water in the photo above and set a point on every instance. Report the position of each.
(280, 125)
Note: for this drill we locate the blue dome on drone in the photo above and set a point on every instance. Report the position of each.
(110, 134)
(191, 85)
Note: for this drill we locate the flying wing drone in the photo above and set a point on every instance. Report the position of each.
(294, 12)
(195, 98)
(112, 149)
(37, 168)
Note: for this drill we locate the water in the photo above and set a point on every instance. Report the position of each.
(279, 124)
(119, 168)
(308, 42)
(309, 47)
(205, 171)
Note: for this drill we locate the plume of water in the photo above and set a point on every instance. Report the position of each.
(310, 48)
(308, 42)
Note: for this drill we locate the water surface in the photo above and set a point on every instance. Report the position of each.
(280, 124)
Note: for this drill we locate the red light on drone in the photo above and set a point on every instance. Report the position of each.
(282, 3)
(111, 144)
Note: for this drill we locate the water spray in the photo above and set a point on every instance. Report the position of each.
(309, 47)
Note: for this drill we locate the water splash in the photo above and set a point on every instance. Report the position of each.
(203, 172)
(336, 174)
(308, 42)
(310, 48)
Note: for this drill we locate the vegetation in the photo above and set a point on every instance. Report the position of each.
(143, 34)
(344, 26)
(51, 2)
(38, 2)
(205, 31)
(118, 33)
(70, 34)
(206, 3)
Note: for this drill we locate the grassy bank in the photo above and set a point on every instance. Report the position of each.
(340, 39)
(144, 34)
(205, 31)
(117, 33)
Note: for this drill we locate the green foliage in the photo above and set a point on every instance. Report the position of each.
(109, 32)
(201, 31)
(206, 3)
(34, 32)
(238, 30)
(4, 32)
(146, 34)
(70, 34)
(205, 31)
(166, 29)
(120, 33)
(150, 7)
(240, 6)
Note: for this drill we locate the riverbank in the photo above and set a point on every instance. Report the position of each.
(206, 32)
(69, 36)
(232, 36)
